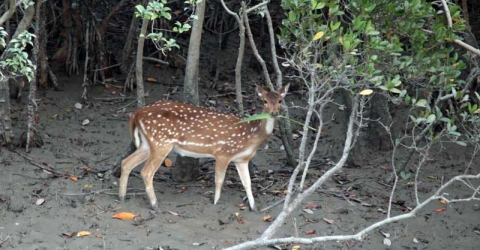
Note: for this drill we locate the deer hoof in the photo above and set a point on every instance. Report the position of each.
(156, 208)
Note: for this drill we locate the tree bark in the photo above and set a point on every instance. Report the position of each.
(139, 64)
(32, 107)
(186, 168)
(6, 133)
(43, 70)
(127, 49)
(190, 84)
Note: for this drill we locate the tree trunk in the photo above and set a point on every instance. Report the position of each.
(6, 133)
(127, 49)
(186, 168)
(375, 137)
(139, 64)
(32, 135)
(42, 64)
(190, 84)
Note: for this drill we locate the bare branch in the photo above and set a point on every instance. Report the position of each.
(295, 203)
(254, 47)
(359, 236)
(258, 6)
(7, 15)
(241, 50)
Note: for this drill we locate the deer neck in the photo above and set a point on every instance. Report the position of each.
(262, 129)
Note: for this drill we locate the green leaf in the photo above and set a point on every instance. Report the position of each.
(421, 103)
(461, 143)
(256, 117)
(395, 90)
(291, 16)
(334, 25)
(370, 7)
(317, 5)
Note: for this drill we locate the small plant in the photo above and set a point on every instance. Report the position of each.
(405, 176)
(17, 61)
(158, 9)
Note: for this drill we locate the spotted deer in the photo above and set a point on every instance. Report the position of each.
(189, 130)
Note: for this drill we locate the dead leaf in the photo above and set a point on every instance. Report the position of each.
(85, 168)
(387, 242)
(296, 247)
(240, 221)
(158, 65)
(237, 214)
(240, 205)
(310, 232)
(168, 163)
(47, 172)
(328, 221)
(73, 178)
(179, 191)
(39, 201)
(267, 218)
(99, 236)
(124, 216)
(68, 235)
(309, 220)
(439, 210)
(443, 201)
(87, 186)
(152, 79)
(83, 233)
(308, 211)
(312, 205)
(173, 213)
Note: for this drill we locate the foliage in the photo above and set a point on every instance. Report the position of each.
(159, 9)
(16, 59)
(398, 48)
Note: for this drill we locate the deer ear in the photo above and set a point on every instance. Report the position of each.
(260, 90)
(283, 91)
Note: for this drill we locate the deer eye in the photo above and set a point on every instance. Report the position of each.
(280, 101)
(265, 102)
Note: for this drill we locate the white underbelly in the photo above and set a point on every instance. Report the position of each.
(184, 152)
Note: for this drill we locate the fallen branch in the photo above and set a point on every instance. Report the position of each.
(359, 236)
(55, 173)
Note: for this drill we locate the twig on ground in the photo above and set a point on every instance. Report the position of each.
(31, 161)
(5, 240)
(273, 205)
(103, 191)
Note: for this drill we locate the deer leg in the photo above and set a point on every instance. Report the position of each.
(128, 164)
(154, 161)
(242, 169)
(220, 170)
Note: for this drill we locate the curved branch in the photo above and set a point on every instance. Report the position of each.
(361, 234)
(456, 41)
(7, 15)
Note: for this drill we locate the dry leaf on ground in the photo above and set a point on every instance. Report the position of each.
(124, 216)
